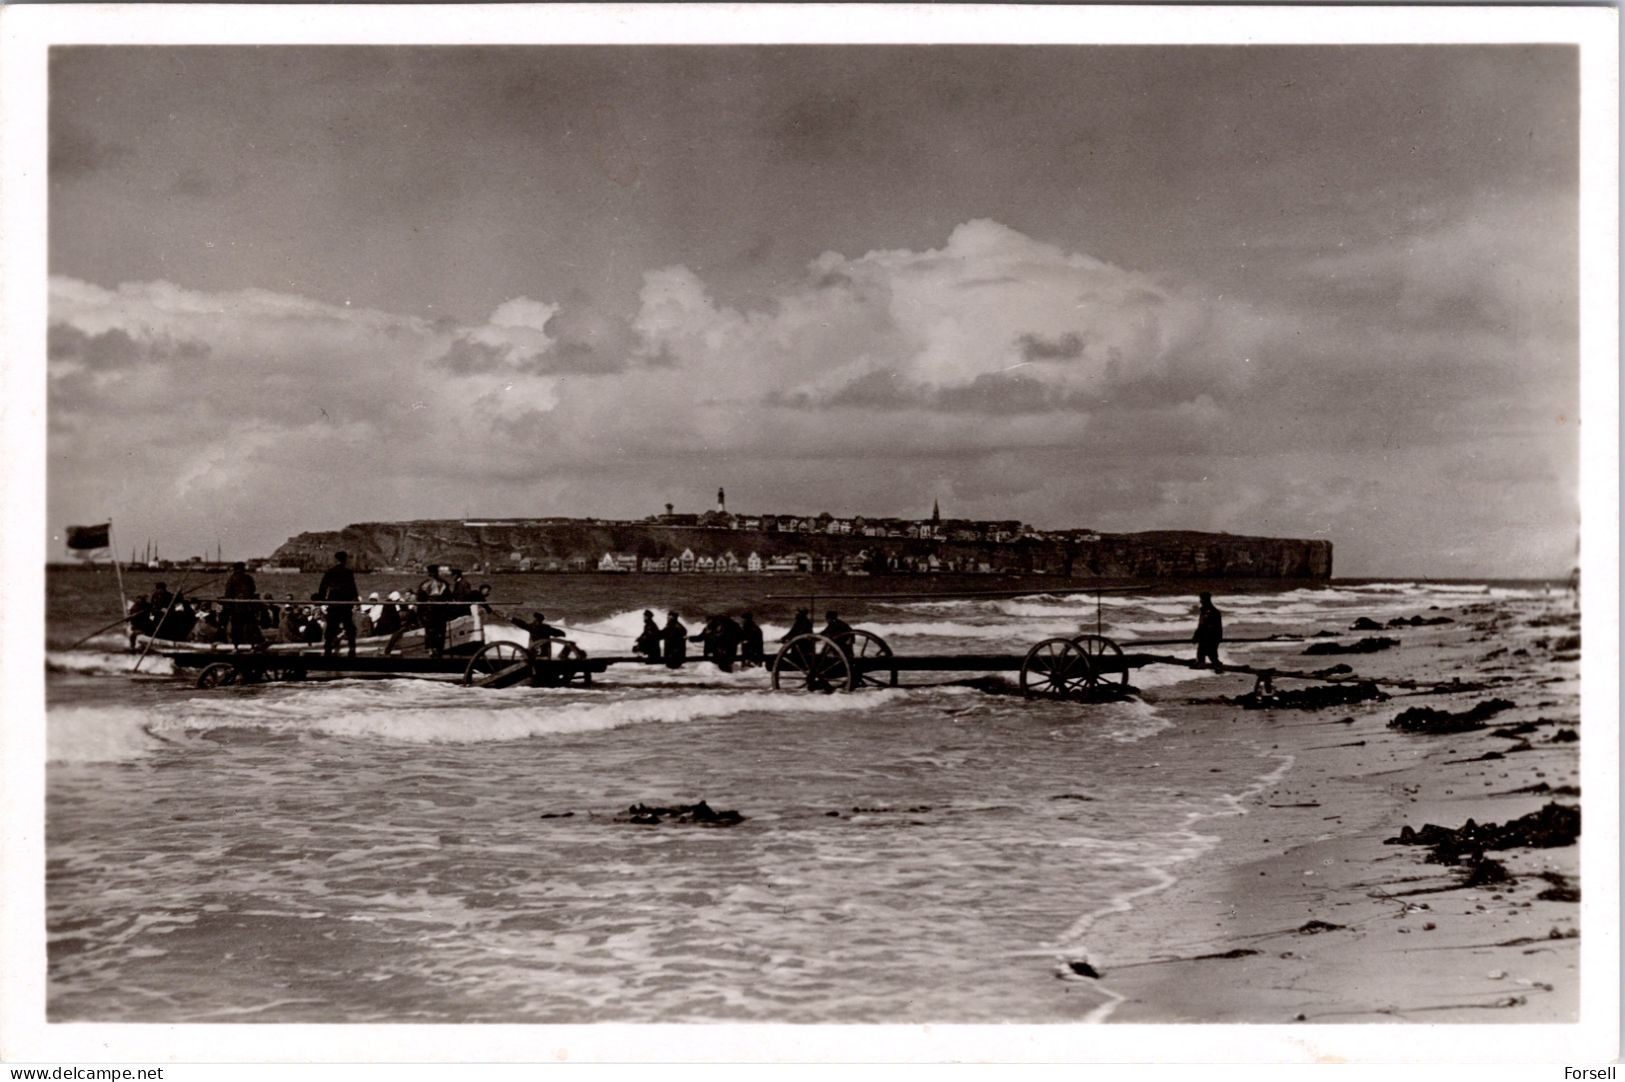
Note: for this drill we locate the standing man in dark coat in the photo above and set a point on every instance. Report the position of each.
(242, 619)
(1209, 632)
(462, 590)
(339, 585)
(676, 641)
(751, 641)
(433, 616)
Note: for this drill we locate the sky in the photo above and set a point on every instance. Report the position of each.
(1320, 292)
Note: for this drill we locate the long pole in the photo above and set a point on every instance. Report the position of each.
(112, 548)
(150, 638)
(99, 630)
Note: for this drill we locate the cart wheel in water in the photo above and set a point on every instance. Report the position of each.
(811, 663)
(496, 657)
(217, 675)
(1056, 669)
(867, 646)
(1105, 659)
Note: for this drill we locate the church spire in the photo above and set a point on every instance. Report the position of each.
(936, 512)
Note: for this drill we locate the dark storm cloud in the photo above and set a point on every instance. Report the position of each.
(115, 348)
(1068, 347)
(75, 152)
(468, 356)
(991, 394)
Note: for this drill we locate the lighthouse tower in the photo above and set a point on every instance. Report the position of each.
(722, 503)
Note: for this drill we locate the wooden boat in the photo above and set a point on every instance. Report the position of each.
(464, 636)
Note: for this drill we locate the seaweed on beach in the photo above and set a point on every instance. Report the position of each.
(1562, 888)
(1553, 826)
(1483, 872)
(701, 814)
(1419, 621)
(1310, 698)
(1520, 730)
(1335, 670)
(1543, 787)
(1365, 623)
(1370, 645)
(1427, 719)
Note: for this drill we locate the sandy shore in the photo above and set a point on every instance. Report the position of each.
(1305, 912)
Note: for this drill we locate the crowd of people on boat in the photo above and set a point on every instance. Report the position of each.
(334, 614)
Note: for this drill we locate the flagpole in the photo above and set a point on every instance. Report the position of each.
(112, 548)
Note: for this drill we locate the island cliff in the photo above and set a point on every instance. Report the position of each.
(583, 545)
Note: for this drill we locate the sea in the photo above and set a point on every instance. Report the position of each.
(412, 850)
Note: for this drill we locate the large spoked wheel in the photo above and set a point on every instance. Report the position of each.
(1056, 669)
(220, 674)
(1106, 664)
(498, 657)
(812, 663)
(867, 646)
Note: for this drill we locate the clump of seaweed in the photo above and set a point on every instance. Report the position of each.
(701, 814)
(1369, 645)
(1310, 698)
(1427, 719)
(1552, 826)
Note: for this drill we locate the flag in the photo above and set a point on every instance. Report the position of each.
(89, 537)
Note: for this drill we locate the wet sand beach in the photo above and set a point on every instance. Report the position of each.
(1308, 911)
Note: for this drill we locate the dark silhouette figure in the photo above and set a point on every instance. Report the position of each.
(675, 641)
(751, 641)
(724, 641)
(242, 617)
(648, 643)
(1209, 632)
(837, 629)
(338, 584)
(801, 625)
(434, 616)
(541, 633)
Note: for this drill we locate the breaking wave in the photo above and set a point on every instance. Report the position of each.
(85, 734)
(103, 663)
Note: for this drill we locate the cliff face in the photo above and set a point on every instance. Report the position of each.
(1164, 554)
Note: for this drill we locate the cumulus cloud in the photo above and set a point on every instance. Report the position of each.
(530, 337)
(942, 328)
(1006, 374)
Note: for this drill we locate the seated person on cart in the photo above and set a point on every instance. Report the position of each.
(839, 630)
(542, 635)
(751, 641)
(647, 645)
